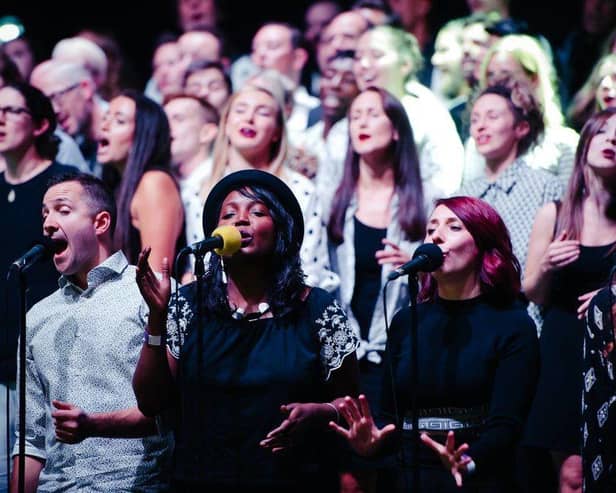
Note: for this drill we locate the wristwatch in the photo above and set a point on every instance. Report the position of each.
(151, 340)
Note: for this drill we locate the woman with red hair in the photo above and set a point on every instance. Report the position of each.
(477, 366)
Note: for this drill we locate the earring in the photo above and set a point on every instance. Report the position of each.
(223, 275)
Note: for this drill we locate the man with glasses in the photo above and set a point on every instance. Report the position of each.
(78, 109)
(28, 146)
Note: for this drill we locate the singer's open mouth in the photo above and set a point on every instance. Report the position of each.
(59, 245)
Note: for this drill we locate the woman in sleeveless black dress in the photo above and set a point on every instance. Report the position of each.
(135, 151)
(572, 249)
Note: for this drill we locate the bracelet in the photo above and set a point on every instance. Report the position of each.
(335, 410)
(151, 340)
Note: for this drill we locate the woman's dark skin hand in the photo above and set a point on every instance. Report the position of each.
(299, 417)
(156, 292)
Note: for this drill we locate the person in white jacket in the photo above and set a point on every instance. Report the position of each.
(388, 57)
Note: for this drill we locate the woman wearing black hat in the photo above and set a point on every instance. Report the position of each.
(257, 373)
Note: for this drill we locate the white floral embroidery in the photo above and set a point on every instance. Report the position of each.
(585, 433)
(598, 314)
(337, 338)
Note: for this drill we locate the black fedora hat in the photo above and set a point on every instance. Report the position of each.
(249, 178)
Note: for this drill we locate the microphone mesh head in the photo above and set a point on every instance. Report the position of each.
(231, 240)
(434, 255)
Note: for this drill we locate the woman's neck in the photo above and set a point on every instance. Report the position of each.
(21, 166)
(184, 170)
(247, 283)
(495, 167)
(464, 288)
(600, 191)
(119, 166)
(328, 123)
(397, 88)
(238, 161)
(376, 171)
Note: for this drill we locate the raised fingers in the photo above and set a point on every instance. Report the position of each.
(450, 442)
(351, 408)
(459, 453)
(343, 432)
(389, 243)
(434, 445)
(364, 407)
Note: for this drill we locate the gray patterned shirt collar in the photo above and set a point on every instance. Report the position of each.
(505, 181)
(111, 267)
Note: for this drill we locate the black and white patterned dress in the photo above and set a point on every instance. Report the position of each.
(599, 397)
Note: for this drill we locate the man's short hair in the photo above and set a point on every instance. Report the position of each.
(297, 38)
(199, 65)
(93, 58)
(97, 194)
(487, 19)
(210, 113)
(69, 72)
(218, 34)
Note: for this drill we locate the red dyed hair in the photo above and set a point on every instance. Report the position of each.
(499, 269)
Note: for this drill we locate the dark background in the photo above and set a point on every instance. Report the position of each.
(137, 24)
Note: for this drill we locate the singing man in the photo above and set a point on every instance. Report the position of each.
(83, 429)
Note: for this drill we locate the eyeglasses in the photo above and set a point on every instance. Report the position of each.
(58, 95)
(13, 111)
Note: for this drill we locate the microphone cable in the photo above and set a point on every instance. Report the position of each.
(7, 421)
(394, 393)
(176, 316)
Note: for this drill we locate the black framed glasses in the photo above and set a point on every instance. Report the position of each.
(58, 95)
(13, 111)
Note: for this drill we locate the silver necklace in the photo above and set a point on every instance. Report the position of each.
(240, 314)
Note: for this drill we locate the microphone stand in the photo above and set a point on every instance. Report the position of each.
(414, 290)
(199, 274)
(21, 278)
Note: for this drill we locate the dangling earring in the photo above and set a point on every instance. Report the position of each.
(223, 275)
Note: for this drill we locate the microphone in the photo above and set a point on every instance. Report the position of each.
(43, 249)
(427, 258)
(225, 240)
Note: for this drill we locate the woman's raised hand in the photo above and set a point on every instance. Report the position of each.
(298, 419)
(363, 435)
(156, 292)
(392, 255)
(453, 459)
(560, 252)
(585, 300)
